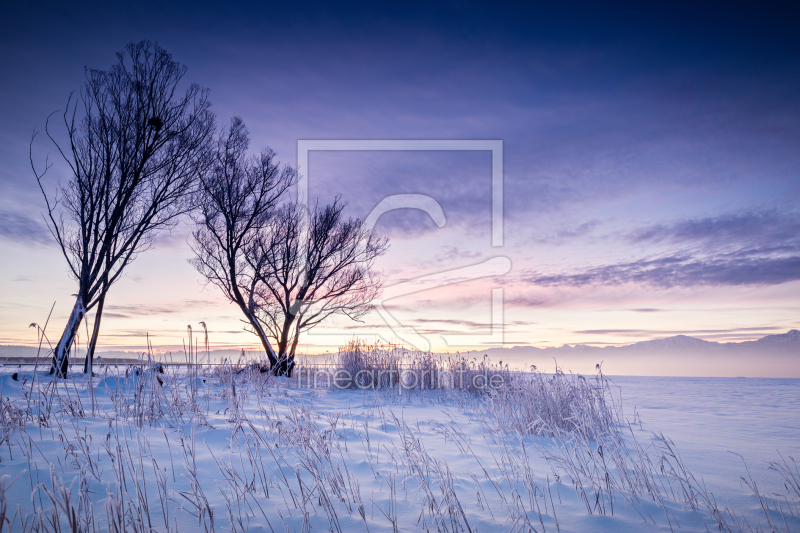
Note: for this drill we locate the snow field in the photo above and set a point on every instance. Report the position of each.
(220, 451)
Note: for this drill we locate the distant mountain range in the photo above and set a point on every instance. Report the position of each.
(781, 344)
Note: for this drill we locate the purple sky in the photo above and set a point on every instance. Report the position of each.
(651, 153)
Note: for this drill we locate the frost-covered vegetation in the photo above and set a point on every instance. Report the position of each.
(154, 447)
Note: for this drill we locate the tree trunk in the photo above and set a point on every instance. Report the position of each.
(285, 366)
(289, 365)
(273, 358)
(88, 364)
(251, 317)
(61, 353)
(294, 346)
(286, 359)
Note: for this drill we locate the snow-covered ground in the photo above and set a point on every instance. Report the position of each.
(209, 453)
(713, 419)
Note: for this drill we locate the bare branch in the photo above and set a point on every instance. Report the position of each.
(237, 196)
(302, 284)
(134, 149)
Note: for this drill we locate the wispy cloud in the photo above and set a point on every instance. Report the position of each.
(768, 229)
(451, 322)
(566, 234)
(732, 249)
(136, 310)
(682, 271)
(24, 229)
(107, 314)
(522, 300)
(453, 255)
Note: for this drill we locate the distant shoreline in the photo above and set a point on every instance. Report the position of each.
(45, 360)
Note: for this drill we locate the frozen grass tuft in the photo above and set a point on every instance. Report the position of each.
(373, 367)
(551, 405)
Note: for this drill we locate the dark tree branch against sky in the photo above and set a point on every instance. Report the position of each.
(135, 145)
(650, 157)
(308, 270)
(236, 200)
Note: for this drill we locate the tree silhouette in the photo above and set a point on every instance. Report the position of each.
(237, 197)
(304, 275)
(136, 146)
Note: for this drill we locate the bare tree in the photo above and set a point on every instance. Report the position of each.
(307, 274)
(135, 148)
(235, 201)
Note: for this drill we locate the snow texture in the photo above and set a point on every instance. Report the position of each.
(217, 451)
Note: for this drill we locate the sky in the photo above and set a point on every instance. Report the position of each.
(651, 154)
